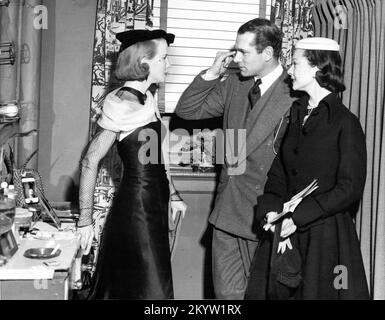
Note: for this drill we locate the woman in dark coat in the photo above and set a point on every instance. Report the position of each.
(319, 253)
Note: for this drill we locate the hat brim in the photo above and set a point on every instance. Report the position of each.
(131, 37)
(318, 43)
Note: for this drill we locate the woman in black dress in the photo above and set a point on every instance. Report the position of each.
(313, 252)
(134, 260)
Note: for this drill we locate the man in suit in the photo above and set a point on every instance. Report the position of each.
(256, 100)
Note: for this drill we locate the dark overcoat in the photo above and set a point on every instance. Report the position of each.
(331, 148)
(263, 128)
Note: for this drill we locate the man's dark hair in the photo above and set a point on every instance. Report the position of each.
(266, 34)
(329, 63)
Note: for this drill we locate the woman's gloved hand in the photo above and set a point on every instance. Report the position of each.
(270, 216)
(282, 245)
(288, 227)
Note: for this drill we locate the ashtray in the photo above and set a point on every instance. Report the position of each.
(41, 253)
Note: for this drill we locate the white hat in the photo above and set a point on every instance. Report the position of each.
(318, 43)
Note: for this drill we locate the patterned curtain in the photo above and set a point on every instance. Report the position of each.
(295, 19)
(112, 17)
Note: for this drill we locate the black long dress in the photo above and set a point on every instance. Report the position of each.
(134, 260)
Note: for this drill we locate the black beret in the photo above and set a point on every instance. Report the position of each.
(130, 37)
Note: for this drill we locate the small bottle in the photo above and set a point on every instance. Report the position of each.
(4, 189)
(11, 192)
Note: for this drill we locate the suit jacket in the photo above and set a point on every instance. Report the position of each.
(240, 185)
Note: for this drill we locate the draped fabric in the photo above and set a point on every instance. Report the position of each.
(21, 81)
(112, 17)
(359, 27)
(294, 17)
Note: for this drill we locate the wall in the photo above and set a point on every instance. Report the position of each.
(65, 94)
(191, 261)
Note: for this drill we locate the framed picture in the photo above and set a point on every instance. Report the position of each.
(29, 190)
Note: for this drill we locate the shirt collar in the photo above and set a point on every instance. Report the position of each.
(270, 78)
(329, 102)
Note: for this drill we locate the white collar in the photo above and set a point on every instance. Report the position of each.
(270, 78)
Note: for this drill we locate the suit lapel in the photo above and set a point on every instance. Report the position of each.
(236, 116)
(270, 108)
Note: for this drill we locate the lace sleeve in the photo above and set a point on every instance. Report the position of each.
(96, 151)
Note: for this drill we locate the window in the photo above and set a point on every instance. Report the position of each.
(201, 27)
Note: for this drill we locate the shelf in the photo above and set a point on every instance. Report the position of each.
(187, 171)
(186, 181)
(7, 131)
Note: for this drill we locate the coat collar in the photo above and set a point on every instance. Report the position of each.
(330, 101)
